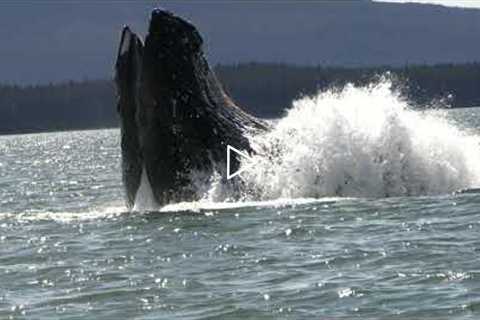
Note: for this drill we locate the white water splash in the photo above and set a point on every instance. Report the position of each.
(144, 199)
(362, 142)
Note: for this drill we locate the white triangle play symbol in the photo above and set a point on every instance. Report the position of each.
(230, 175)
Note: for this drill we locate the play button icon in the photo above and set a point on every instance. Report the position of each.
(239, 154)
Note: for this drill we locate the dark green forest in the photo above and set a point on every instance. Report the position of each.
(265, 90)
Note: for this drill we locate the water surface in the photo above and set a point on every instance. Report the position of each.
(70, 250)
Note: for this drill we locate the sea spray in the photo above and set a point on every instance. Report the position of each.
(361, 142)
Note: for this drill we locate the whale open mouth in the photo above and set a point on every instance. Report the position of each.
(175, 117)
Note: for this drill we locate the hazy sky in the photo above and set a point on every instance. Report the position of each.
(448, 3)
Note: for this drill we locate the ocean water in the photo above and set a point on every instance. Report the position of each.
(377, 238)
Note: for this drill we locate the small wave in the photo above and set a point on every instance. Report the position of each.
(203, 206)
(66, 217)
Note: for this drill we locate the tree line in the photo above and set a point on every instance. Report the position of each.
(264, 89)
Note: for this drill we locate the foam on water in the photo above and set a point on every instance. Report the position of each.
(107, 212)
(206, 206)
(362, 142)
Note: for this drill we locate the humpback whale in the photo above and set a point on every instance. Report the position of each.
(175, 117)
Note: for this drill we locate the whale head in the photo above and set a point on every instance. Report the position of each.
(174, 130)
(163, 89)
(174, 32)
(175, 117)
(175, 68)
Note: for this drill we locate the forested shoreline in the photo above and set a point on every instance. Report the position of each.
(263, 89)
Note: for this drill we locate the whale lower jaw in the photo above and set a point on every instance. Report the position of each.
(175, 117)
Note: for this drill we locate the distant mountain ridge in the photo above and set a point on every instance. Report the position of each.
(56, 41)
(265, 90)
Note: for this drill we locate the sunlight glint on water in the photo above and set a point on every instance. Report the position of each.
(69, 249)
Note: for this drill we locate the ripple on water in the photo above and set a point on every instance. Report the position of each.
(69, 249)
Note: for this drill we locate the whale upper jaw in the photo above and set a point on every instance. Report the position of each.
(175, 117)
